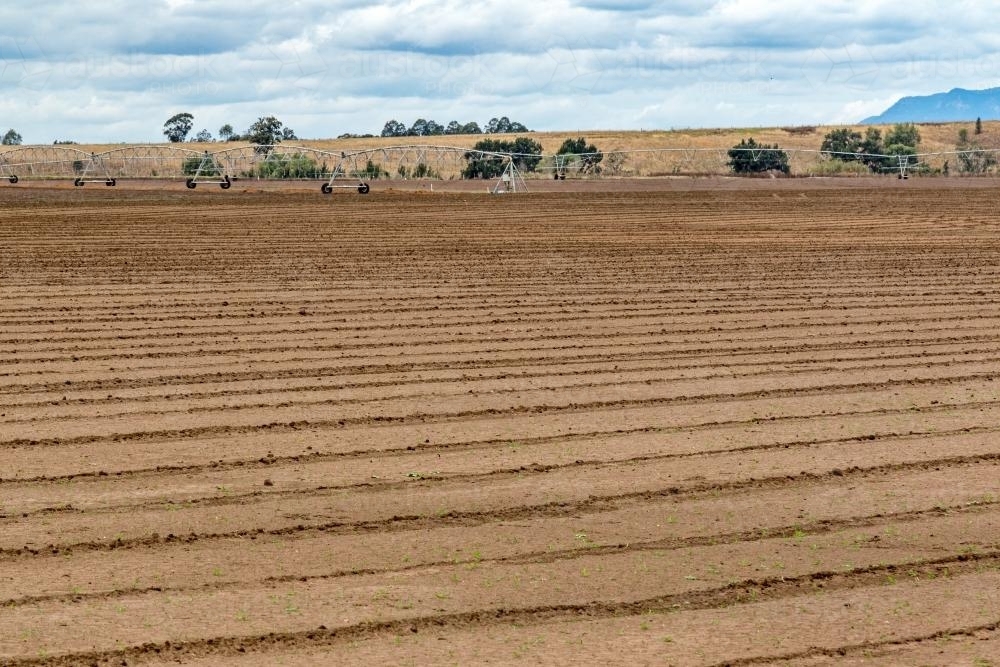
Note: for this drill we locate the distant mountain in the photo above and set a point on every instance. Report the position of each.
(956, 104)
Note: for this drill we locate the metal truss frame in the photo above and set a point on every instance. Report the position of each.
(95, 165)
(209, 172)
(356, 169)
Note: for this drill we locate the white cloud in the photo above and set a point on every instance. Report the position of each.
(851, 111)
(103, 71)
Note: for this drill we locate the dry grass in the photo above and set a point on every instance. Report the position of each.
(695, 151)
(935, 137)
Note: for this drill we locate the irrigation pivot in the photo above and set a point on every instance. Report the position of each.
(90, 171)
(209, 172)
(510, 180)
(354, 170)
(340, 172)
(6, 171)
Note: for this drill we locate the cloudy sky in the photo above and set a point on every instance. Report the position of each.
(116, 70)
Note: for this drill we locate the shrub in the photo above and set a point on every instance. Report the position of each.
(581, 155)
(749, 157)
(191, 164)
(288, 165)
(526, 153)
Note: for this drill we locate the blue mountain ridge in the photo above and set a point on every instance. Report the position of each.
(955, 105)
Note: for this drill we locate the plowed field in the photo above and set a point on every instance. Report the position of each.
(687, 426)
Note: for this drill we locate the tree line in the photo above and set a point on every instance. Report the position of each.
(872, 151)
(876, 152)
(266, 130)
(430, 128)
(488, 157)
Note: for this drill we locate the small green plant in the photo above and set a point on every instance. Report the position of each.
(288, 165)
(423, 171)
(209, 166)
(373, 171)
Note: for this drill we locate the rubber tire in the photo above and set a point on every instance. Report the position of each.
(111, 182)
(327, 188)
(226, 184)
(191, 185)
(363, 189)
(78, 182)
(12, 179)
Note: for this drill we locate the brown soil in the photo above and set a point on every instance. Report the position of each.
(691, 422)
